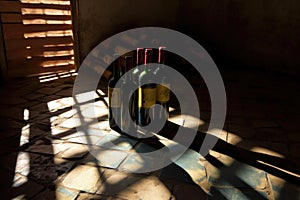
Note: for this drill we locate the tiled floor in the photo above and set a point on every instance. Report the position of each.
(43, 156)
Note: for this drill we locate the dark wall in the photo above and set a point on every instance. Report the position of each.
(99, 20)
(3, 67)
(256, 33)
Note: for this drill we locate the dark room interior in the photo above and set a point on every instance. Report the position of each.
(59, 134)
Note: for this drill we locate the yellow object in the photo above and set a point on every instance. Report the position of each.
(147, 97)
(162, 93)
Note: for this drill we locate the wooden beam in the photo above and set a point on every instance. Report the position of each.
(17, 31)
(45, 6)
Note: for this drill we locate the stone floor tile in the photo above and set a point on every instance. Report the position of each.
(29, 104)
(101, 131)
(45, 146)
(60, 132)
(189, 122)
(84, 178)
(29, 85)
(65, 92)
(143, 148)
(235, 108)
(294, 149)
(172, 175)
(56, 120)
(86, 98)
(69, 123)
(44, 127)
(48, 90)
(235, 120)
(60, 193)
(19, 180)
(46, 121)
(243, 131)
(190, 162)
(253, 114)
(188, 191)
(74, 122)
(265, 124)
(37, 116)
(63, 85)
(68, 113)
(139, 161)
(32, 132)
(85, 139)
(222, 134)
(75, 151)
(267, 147)
(235, 194)
(93, 108)
(233, 138)
(87, 132)
(105, 157)
(41, 108)
(270, 134)
(23, 162)
(23, 188)
(177, 119)
(104, 127)
(49, 98)
(33, 96)
(84, 196)
(237, 175)
(108, 172)
(282, 189)
(293, 136)
(134, 187)
(61, 103)
(40, 147)
(41, 168)
(116, 142)
(89, 159)
(43, 174)
(94, 112)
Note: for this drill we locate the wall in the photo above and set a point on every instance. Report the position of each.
(99, 20)
(3, 66)
(254, 33)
